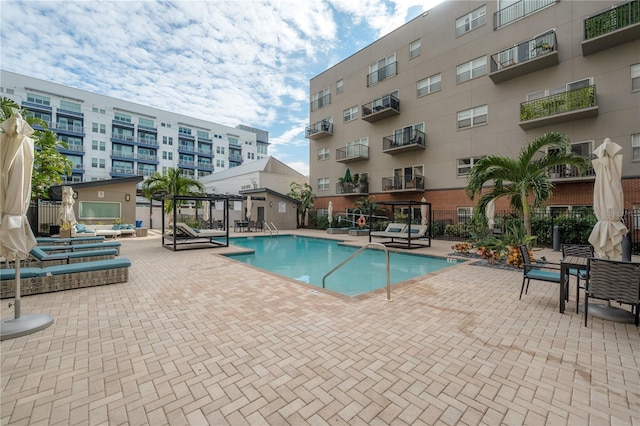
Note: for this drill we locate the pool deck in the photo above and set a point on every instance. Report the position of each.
(197, 338)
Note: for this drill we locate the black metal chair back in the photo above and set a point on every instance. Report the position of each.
(614, 280)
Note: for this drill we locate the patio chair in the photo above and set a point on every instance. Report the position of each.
(42, 258)
(393, 230)
(549, 272)
(579, 250)
(613, 280)
(185, 231)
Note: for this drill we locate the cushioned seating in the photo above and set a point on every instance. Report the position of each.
(184, 230)
(42, 257)
(65, 277)
(549, 272)
(83, 247)
(392, 230)
(74, 240)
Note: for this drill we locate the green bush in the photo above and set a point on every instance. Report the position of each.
(461, 230)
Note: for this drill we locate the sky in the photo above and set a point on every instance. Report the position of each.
(229, 62)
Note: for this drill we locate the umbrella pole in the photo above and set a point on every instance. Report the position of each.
(18, 301)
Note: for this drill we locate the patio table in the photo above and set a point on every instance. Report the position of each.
(567, 263)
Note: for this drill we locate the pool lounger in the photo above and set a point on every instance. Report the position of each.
(393, 230)
(408, 237)
(64, 277)
(41, 258)
(82, 247)
(72, 240)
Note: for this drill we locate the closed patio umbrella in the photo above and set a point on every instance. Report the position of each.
(66, 214)
(16, 238)
(423, 212)
(608, 201)
(330, 213)
(490, 213)
(206, 206)
(249, 206)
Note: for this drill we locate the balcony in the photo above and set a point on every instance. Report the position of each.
(519, 10)
(186, 136)
(122, 171)
(403, 183)
(122, 154)
(570, 173)
(186, 164)
(559, 108)
(72, 148)
(122, 138)
(187, 148)
(617, 25)
(147, 141)
(147, 128)
(122, 124)
(205, 166)
(524, 58)
(320, 102)
(205, 152)
(145, 172)
(319, 130)
(33, 106)
(352, 188)
(234, 158)
(382, 74)
(69, 129)
(402, 142)
(67, 113)
(386, 106)
(350, 153)
(71, 179)
(147, 158)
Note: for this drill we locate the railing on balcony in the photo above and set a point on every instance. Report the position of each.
(320, 102)
(569, 171)
(146, 172)
(205, 166)
(413, 139)
(69, 128)
(382, 74)
(352, 188)
(612, 19)
(380, 108)
(205, 151)
(352, 152)
(123, 170)
(320, 129)
(187, 147)
(73, 147)
(525, 51)
(147, 141)
(403, 183)
(186, 163)
(573, 100)
(122, 137)
(147, 157)
(518, 10)
(123, 154)
(71, 179)
(235, 158)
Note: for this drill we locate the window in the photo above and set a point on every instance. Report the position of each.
(323, 184)
(635, 77)
(320, 99)
(103, 129)
(167, 155)
(184, 131)
(202, 134)
(102, 163)
(408, 134)
(220, 150)
(339, 86)
(635, 147)
(70, 106)
(220, 163)
(122, 117)
(94, 162)
(323, 154)
(350, 114)
(146, 122)
(472, 117)
(465, 165)
(382, 69)
(98, 145)
(167, 140)
(471, 69)
(414, 49)
(38, 99)
(94, 127)
(471, 21)
(429, 85)
(464, 214)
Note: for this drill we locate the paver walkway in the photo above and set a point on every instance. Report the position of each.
(196, 338)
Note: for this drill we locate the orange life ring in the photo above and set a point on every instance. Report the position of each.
(361, 222)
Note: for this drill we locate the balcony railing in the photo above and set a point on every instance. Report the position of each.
(352, 188)
(123, 170)
(122, 154)
(353, 152)
(186, 147)
(205, 166)
(235, 158)
(147, 141)
(404, 141)
(71, 179)
(382, 74)
(205, 152)
(403, 183)
(145, 172)
(616, 25)
(380, 108)
(73, 148)
(518, 10)
(69, 128)
(147, 157)
(186, 163)
(567, 106)
(525, 57)
(319, 130)
(320, 102)
(120, 137)
(569, 172)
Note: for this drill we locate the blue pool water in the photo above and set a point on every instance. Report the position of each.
(309, 259)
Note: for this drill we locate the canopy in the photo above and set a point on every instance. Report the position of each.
(608, 201)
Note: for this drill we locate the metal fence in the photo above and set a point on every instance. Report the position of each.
(43, 217)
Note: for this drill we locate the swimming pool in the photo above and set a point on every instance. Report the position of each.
(308, 259)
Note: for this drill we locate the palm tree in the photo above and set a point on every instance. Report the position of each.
(525, 177)
(171, 183)
(303, 193)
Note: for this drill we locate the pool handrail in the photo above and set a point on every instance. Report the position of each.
(266, 225)
(361, 249)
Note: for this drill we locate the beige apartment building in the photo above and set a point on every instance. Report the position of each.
(410, 114)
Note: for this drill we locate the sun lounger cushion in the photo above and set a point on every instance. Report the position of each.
(392, 230)
(74, 240)
(80, 247)
(44, 256)
(98, 265)
(10, 274)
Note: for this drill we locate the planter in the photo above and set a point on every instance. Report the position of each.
(337, 230)
(65, 233)
(359, 232)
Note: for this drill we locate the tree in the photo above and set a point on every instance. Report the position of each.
(171, 183)
(49, 164)
(303, 193)
(525, 177)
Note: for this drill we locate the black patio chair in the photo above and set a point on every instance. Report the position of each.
(549, 272)
(578, 250)
(613, 280)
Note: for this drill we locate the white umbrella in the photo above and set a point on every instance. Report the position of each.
(206, 206)
(423, 212)
(490, 213)
(329, 213)
(66, 214)
(306, 217)
(16, 238)
(608, 201)
(249, 205)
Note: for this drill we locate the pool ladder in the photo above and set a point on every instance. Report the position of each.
(266, 225)
(361, 249)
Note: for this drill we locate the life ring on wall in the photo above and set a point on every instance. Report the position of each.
(361, 222)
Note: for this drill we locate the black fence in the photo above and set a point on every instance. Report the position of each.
(43, 217)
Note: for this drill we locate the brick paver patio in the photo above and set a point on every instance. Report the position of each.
(196, 338)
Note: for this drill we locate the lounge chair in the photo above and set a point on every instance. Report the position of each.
(42, 258)
(404, 236)
(64, 277)
(82, 247)
(393, 230)
(549, 272)
(74, 240)
(184, 230)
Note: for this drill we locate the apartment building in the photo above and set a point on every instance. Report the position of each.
(110, 138)
(410, 114)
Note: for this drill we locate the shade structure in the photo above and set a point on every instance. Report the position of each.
(490, 213)
(16, 238)
(423, 212)
(608, 201)
(249, 206)
(66, 214)
(330, 213)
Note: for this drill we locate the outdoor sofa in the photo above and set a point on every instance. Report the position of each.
(115, 230)
(64, 277)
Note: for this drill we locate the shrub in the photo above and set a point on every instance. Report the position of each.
(461, 230)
